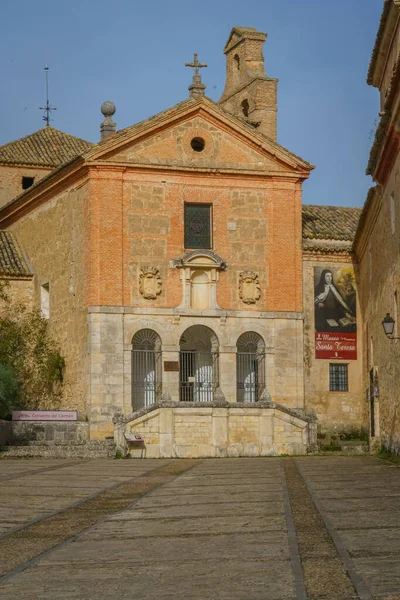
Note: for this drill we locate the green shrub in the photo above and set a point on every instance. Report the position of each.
(31, 354)
(9, 391)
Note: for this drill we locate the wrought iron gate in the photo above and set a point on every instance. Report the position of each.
(146, 384)
(250, 376)
(198, 375)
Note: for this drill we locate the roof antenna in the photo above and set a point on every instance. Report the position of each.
(48, 108)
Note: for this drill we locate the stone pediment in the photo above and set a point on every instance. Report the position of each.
(200, 259)
(198, 134)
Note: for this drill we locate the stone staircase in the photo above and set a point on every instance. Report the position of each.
(73, 449)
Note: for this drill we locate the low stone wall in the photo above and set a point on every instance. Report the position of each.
(50, 431)
(199, 430)
(5, 432)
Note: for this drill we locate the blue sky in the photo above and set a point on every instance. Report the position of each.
(133, 53)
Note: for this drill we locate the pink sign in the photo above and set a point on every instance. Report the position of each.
(45, 415)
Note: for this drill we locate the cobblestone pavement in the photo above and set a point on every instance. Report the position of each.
(271, 528)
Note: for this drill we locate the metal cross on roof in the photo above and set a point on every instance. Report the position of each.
(47, 108)
(196, 65)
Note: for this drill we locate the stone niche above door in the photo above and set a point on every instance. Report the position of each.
(199, 275)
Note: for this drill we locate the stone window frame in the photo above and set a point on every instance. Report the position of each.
(45, 300)
(197, 261)
(202, 206)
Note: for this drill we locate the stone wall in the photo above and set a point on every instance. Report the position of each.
(378, 250)
(5, 432)
(19, 291)
(49, 432)
(111, 330)
(52, 236)
(191, 432)
(11, 180)
(261, 96)
(337, 411)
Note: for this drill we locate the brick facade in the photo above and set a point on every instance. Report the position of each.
(113, 218)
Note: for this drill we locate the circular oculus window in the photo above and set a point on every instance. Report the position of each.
(197, 144)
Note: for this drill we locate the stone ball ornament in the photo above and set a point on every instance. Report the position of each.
(108, 108)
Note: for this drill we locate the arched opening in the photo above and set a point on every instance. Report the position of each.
(236, 60)
(250, 367)
(198, 364)
(146, 368)
(245, 107)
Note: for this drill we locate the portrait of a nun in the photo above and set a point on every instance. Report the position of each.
(331, 311)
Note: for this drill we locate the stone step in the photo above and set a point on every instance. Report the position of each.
(90, 449)
(52, 443)
(345, 447)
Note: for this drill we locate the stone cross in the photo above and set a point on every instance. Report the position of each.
(196, 65)
(196, 89)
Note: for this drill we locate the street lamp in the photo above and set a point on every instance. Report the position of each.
(388, 327)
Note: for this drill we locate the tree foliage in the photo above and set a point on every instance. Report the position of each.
(9, 391)
(31, 366)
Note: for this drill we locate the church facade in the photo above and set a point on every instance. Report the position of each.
(194, 297)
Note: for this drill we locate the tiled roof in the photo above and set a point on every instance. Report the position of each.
(337, 223)
(47, 147)
(12, 261)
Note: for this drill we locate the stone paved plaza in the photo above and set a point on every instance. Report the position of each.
(264, 528)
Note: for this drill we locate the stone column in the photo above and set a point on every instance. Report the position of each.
(170, 379)
(227, 372)
(127, 400)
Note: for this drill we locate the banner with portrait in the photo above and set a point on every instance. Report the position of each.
(335, 313)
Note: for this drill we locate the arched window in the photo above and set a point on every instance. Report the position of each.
(245, 107)
(146, 368)
(250, 367)
(237, 61)
(198, 364)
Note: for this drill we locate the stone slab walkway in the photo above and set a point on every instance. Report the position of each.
(265, 528)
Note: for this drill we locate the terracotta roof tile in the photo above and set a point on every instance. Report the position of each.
(12, 261)
(330, 222)
(47, 147)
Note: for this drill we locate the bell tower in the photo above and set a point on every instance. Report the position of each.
(249, 94)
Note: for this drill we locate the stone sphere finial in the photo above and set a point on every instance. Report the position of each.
(108, 108)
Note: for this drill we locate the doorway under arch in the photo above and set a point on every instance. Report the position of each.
(198, 364)
(146, 368)
(250, 367)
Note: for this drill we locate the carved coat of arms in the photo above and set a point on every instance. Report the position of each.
(249, 287)
(149, 283)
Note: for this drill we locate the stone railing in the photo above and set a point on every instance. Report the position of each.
(296, 432)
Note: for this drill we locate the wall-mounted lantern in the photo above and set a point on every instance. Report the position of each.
(388, 327)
